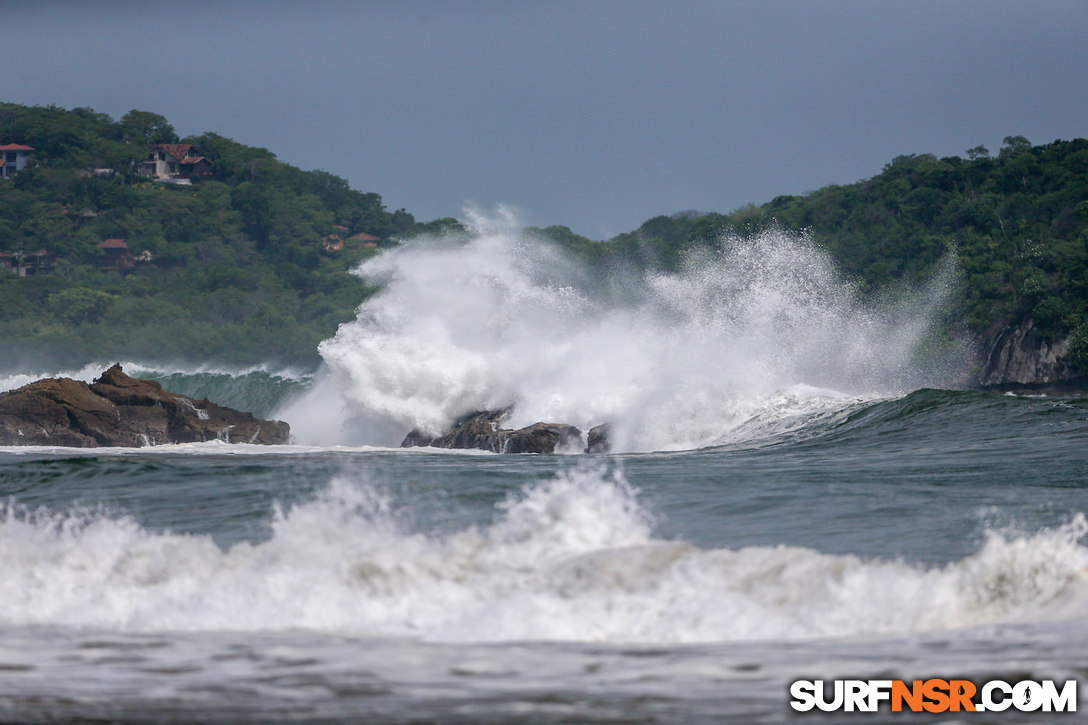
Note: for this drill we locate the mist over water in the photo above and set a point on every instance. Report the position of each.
(758, 330)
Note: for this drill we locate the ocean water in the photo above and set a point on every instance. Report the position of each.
(798, 491)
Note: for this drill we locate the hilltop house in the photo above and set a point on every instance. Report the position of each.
(175, 163)
(13, 159)
(27, 265)
(116, 256)
(365, 240)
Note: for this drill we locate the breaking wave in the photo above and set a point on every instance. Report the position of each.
(755, 327)
(568, 558)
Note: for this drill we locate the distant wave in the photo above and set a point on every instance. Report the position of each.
(259, 389)
(571, 558)
(758, 327)
(798, 418)
(919, 420)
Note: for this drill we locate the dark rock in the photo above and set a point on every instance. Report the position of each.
(543, 438)
(417, 439)
(118, 410)
(599, 440)
(1020, 355)
(475, 430)
(482, 430)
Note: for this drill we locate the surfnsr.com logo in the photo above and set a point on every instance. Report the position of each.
(933, 695)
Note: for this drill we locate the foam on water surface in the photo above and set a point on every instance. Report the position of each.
(573, 557)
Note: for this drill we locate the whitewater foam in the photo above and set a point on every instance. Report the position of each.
(220, 447)
(568, 558)
(759, 327)
(90, 371)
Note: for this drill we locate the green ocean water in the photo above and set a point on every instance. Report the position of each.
(937, 533)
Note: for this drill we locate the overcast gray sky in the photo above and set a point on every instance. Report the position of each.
(596, 115)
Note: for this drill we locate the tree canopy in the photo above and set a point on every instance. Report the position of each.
(1018, 224)
(240, 271)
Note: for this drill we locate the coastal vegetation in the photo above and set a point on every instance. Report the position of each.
(248, 263)
(1016, 221)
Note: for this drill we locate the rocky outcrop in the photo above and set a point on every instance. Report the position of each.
(599, 439)
(1020, 356)
(482, 430)
(118, 410)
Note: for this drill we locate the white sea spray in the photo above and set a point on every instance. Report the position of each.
(758, 328)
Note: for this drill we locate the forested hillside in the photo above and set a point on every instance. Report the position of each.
(239, 266)
(246, 262)
(1017, 221)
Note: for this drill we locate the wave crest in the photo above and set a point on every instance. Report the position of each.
(673, 360)
(569, 558)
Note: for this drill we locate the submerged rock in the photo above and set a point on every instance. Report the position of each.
(482, 430)
(118, 410)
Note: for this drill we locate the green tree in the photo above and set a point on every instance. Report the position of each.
(1012, 145)
(79, 304)
(147, 128)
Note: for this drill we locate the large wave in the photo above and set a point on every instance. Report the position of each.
(572, 557)
(756, 326)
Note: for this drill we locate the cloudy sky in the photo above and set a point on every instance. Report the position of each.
(595, 115)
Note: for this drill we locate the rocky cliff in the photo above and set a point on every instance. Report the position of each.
(118, 410)
(1020, 355)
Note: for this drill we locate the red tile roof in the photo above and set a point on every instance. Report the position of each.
(363, 237)
(113, 244)
(16, 147)
(181, 152)
(177, 150)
